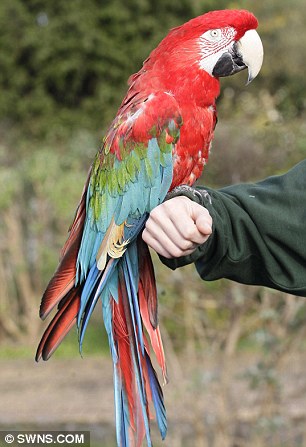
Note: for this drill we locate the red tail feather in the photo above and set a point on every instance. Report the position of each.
(154, 333)
(147, 295)
(60, 325)
(147, 279)
(127, 344)
(121, 336)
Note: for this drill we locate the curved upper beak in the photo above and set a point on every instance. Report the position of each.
(245, 53)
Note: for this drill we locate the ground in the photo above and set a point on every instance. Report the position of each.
(78, 394)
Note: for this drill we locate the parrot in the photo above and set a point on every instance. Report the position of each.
(159, 139)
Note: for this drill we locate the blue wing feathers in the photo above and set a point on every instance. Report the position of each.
(166, 177)
(149, 188)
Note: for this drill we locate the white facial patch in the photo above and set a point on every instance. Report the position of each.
(212, 46)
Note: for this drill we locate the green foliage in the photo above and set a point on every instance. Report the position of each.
(65, 64)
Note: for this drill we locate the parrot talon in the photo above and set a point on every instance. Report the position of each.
(206, 194)
(189, 192)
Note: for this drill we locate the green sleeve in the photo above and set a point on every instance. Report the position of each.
(259, 233)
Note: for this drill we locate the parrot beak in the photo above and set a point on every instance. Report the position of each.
(246, 53)
(250, 49)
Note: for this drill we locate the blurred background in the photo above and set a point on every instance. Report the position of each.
(236, 354)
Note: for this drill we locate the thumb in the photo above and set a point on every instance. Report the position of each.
(201, 218)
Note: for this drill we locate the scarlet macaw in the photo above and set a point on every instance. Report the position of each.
(159, 139)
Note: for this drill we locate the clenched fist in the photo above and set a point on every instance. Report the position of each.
(177, 227)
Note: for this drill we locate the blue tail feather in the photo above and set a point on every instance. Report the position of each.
(124, 281)
(108, 322)
(157, 397)
(117, 398)
(132, 289)
(89, 285)
(125, 422)
(131, 276)
(95, 284)
(112, 285)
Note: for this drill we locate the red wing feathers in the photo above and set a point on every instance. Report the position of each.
(63, 280)
(79, 218)
(61, 324)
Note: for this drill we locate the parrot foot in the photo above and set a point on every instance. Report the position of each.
(186, 190)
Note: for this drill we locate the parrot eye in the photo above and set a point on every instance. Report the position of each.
(215, 34)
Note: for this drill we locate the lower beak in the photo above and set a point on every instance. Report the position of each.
(246, 53)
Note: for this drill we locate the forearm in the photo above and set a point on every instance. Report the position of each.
(259, 234)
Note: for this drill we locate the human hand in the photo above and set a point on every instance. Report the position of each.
(177, 227)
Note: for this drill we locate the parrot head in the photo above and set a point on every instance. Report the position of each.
(218, 43)
(233, 46)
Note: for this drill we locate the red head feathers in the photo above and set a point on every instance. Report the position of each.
(186, 45)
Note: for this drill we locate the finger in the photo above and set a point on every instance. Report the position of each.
(168, 245)
(175, 228)
(202, 219)
(188, 231)
(204, 224)
(155, 244)
(166, 229)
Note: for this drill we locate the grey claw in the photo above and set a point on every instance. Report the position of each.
(185, 189)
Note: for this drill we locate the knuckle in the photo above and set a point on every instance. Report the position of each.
(176, 252)
(147, 224)
(146, 236)
(155, 214)
(152, 214)
(189, 232)
(185, 245)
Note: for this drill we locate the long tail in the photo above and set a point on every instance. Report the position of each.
(127, 290)
(136, 382)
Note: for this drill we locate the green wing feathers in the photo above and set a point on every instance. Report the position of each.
(131, 173)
